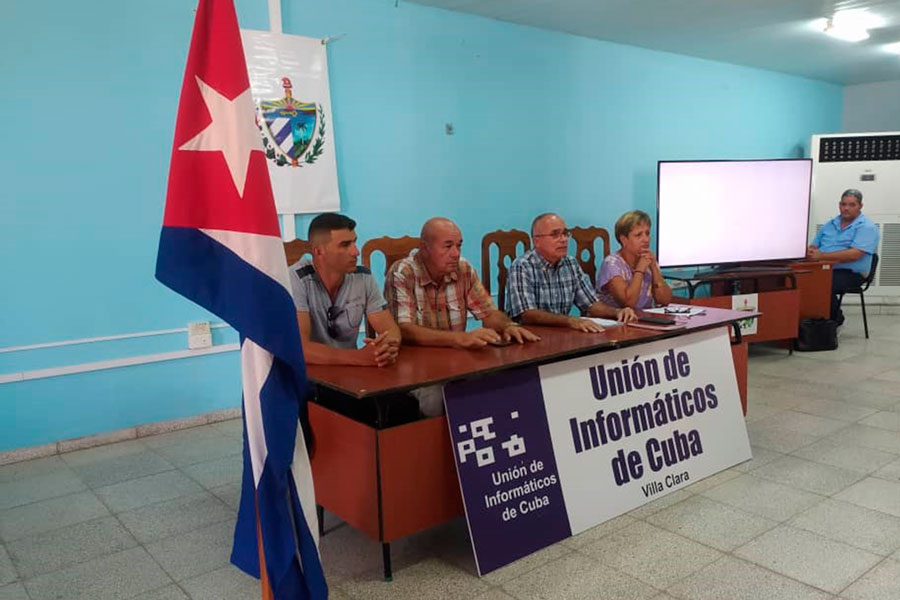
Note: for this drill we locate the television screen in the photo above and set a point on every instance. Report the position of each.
(732, 211)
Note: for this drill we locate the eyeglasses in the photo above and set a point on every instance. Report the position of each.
(333, 313)
(556, 234)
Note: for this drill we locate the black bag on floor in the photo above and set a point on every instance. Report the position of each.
(816, 334)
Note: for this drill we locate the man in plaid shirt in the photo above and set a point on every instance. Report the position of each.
(545, 282)
(430, 295)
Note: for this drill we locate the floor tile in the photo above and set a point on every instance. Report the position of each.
(53, 550)
(169, 592)
(29, 488)
(196, 552)
(808, 475)
(881, 583)
(864, 528)
(712, 481)
(833, 409)
(179, 515)
(845, 455)
(229, 493)
(577, 577)
(869, 437)
(147, 490)
(599, 531)
(494, 594)
(807, 557)
(216, 473)
(651, 554)
(7, 572)
(764, 498)
(227, 583)
(711, 523)
(889, 420)
(526, 564)
(442, 581)
(803, 423)
(13, 591)
(115, 469)
(119, 576)
(761, 456)
(734, 579)
(890, 471)
(231, 427)
(47, 515)
(775, 439)
(874, 493)
(193, 451)
(189, 434)
(103, 453)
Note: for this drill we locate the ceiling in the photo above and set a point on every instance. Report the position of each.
(770, 34)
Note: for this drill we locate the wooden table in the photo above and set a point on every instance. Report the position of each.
(393, 482)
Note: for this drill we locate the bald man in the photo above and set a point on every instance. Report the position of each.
(430, 295)
(431, 292)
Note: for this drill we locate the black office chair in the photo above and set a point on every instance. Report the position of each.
(862, 288)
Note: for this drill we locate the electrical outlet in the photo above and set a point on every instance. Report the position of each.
(199, 335)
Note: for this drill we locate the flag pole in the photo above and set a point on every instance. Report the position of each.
(266, 588)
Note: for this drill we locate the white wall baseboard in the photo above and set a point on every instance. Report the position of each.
(121, 435)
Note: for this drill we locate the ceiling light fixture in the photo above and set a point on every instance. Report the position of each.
(851, 25)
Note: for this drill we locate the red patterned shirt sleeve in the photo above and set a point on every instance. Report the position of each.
(478, 301)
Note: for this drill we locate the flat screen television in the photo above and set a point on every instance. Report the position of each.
(732, 212)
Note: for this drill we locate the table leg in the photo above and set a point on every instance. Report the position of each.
(320, 515)
(386, 557)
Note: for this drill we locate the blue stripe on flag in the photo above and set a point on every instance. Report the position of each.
(205, 271)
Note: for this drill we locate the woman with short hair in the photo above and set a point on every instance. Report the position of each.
(631, 276)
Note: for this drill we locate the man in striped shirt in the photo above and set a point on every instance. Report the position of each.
(545, 282)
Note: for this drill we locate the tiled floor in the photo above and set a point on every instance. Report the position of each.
(815, 514)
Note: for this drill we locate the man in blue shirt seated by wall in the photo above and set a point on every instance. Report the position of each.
(850, 239)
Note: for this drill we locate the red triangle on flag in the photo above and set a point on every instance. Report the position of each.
(218, 176)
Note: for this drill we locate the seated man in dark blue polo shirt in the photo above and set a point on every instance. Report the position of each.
(850, 239)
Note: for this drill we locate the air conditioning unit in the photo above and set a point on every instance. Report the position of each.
(869, 162)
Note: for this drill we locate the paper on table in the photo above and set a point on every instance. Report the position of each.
(676, 310)
(603, 322)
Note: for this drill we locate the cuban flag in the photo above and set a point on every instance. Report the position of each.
(221, 247)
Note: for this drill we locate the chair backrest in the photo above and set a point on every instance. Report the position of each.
(393, 249)
(295, 250)
(506, 242)
(871, 276)
(584, 243)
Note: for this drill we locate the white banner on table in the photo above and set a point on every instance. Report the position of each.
(547, 452)
(289, 83)
(634, 424)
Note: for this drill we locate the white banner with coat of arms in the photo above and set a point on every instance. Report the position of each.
(289, 83)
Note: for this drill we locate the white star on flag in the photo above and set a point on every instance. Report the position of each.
(232, 131)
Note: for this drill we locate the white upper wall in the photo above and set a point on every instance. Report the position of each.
(872, 107)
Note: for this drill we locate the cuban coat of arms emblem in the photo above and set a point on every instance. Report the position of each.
(293, 131)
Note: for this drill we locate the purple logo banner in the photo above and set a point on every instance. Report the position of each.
(506, 466)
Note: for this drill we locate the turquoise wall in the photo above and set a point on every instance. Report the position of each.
(543, 121)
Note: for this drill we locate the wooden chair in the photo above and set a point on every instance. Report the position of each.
(506, 242)
(584, 242)
(295, 250)
(393, 249)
